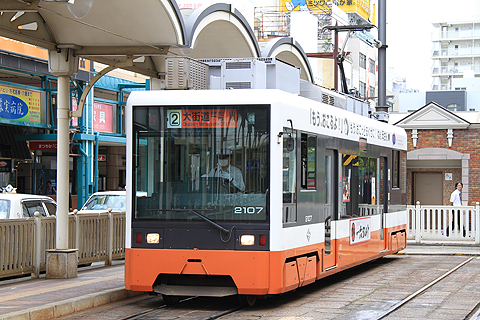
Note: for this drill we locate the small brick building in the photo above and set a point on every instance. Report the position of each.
(443, 148)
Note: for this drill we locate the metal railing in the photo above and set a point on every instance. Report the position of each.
(443, 223)
(97, 237)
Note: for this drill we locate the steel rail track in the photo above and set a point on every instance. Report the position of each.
(420, 291)
(148, 312)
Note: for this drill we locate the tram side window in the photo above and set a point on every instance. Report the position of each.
(308, 162)
(289, 176)
(383, 183)
(349, 186)
(368, 186)
(360, 186)
(396, 169)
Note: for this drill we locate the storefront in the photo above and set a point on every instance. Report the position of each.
(28, 125)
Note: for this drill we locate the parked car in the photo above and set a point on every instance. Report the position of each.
(19, 205)
(104, 200)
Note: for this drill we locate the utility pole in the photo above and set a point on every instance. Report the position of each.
(382, 108)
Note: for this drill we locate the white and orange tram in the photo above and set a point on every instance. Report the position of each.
(255, 192)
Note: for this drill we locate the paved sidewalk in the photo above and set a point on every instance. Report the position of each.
(26, 298)
(29, 299)
(438, 248)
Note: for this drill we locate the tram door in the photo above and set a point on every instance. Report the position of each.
(331, 197)
(383, 197)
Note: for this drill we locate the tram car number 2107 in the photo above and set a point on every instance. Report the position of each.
(254, 192)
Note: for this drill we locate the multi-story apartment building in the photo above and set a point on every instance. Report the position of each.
(455, 54)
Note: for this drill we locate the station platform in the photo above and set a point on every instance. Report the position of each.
(29, 299)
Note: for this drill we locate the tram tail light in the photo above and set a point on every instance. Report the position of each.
(247, 240)
(262, 240)
(138, 238)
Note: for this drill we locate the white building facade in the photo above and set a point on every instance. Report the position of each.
(455, 55)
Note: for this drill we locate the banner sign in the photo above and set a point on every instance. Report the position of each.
(193, 118)
(102, 116)
(18, 104)
(306, 5)
(359, 7)
(5, 165)
(42, 145)
(360, 230)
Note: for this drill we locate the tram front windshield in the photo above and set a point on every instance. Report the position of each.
(201, 162)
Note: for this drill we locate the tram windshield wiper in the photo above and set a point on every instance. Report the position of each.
(213, 223)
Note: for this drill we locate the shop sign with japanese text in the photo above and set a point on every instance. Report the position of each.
(306, 5)
(18, 104)
(5, 165)
(42, 145)
(360, 7)
(102, 116)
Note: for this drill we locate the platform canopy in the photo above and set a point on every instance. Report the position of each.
(109, 31)
(289, 51)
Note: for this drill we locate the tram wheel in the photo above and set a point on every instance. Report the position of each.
(247, 300)
(169, 300)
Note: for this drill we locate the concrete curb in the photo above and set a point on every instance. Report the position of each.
(423, 253)
(69, 306)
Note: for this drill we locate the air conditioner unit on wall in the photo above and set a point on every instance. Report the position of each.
(184, 73)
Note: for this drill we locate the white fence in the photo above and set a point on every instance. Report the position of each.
(443, 223)
(98, 237)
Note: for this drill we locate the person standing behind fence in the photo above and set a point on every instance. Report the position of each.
(456, 197)
(456, 201)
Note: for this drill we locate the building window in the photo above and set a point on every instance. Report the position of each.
(454, 107)
(363, 61)
(371, 91)
(371, 66)
(362, 89)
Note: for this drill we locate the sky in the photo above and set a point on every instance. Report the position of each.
(409, 32)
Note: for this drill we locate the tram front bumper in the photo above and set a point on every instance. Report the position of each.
(146, 268)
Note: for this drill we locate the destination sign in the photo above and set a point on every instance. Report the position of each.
(200, 118)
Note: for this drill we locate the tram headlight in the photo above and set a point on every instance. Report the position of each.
(153, 238)
(247, 240)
